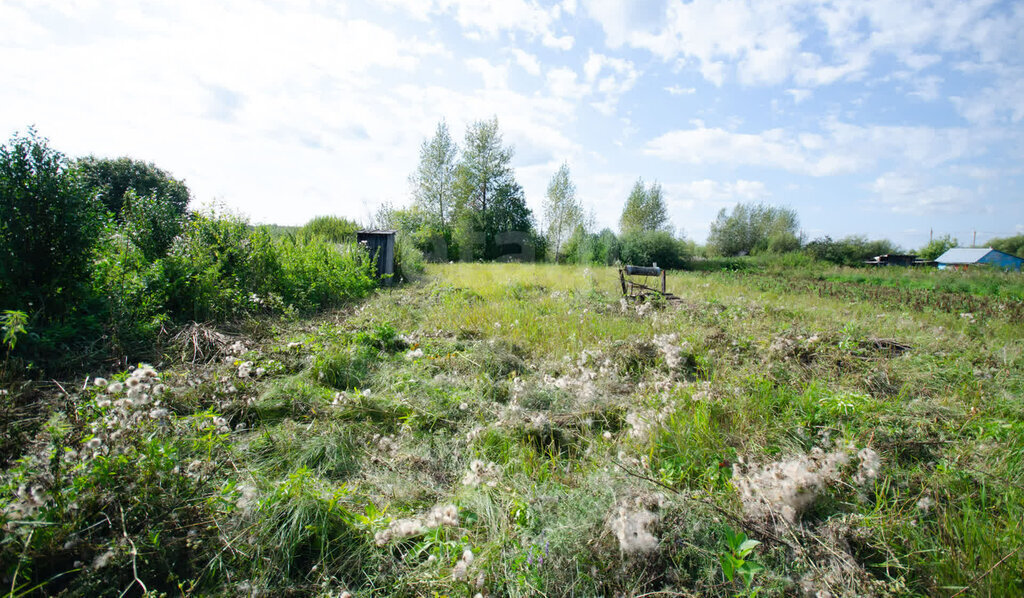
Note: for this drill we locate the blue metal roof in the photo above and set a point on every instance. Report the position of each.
(963, 256)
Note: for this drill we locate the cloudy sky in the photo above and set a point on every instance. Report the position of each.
(881, 118)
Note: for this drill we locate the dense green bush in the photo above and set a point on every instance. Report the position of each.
(754, 228)
(330, 228)
(112, 179)
(152, 223)
(322, 274)
(131, 289)
(849, 251)
(937, 247)
(588, 248)
(219, 268)
(1012, 245)
(49, 222)
(652, 247)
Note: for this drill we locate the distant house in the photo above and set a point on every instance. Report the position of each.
(892, 259)
(961, 258)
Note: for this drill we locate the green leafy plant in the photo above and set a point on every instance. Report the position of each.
(737, 560)
(12, 323)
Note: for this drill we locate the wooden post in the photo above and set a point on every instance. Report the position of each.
(663, 282)
(622, 281)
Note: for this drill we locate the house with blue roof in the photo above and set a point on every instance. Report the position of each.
(961, 258)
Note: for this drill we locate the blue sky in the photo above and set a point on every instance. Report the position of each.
(887, 119)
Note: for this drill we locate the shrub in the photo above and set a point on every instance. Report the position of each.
(151, 222)
(49, 222)
(754, 228)
(330, 228)
(937, 247)
(218, 268)
(112, 179)
(587, 248)
(319, 273)
(1012, 245)
(132, 289)
(849, 251)
(409, 260)
(646, 248)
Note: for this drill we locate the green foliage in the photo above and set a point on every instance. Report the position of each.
(113, 178)
(12, 323)
(49, 222)
(1012, 245)
(319, 274)
(151, 223)
(415, 237)
(849, 251)
(736, 559)
(491, 211)
(753, 229)
(346, 368)
(937, 247)
(433, 182)
(219, 268)
(328, 228)
(131, 288)
(644, 248)
(645, 210)
(584, 248)
(563, 213)
(298, 528)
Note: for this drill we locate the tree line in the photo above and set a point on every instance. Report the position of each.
(468, 206)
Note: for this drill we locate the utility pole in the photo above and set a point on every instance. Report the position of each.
(974, 241)
(930, 231)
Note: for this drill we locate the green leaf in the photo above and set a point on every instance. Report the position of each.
(747, 546)
(728, 566)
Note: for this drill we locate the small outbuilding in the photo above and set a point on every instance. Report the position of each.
(961, 258)
(381, 246)
(892, 259)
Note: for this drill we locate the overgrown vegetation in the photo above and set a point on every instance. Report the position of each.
(517, 430)
(105, 260)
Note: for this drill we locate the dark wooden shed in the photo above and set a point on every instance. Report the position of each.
(892, 259)
(381, 245)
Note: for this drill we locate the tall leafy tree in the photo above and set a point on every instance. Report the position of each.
(755, 228)
(489, 201)
(562, 211)
(49, 223)
(645, 210)
(433, 182)
(112, 178)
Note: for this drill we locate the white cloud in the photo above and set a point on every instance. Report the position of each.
(909, 194)
(799, 95)
(997, 103)
(610, 78)
(604, 78)
(527, 61)
(716, 193)
(811, 43)
(564, 83)
(840, 148)
(490, 18)
(495, 76)
(927, 88)
(677, 90)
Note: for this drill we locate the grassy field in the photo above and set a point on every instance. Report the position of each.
(518, 430)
